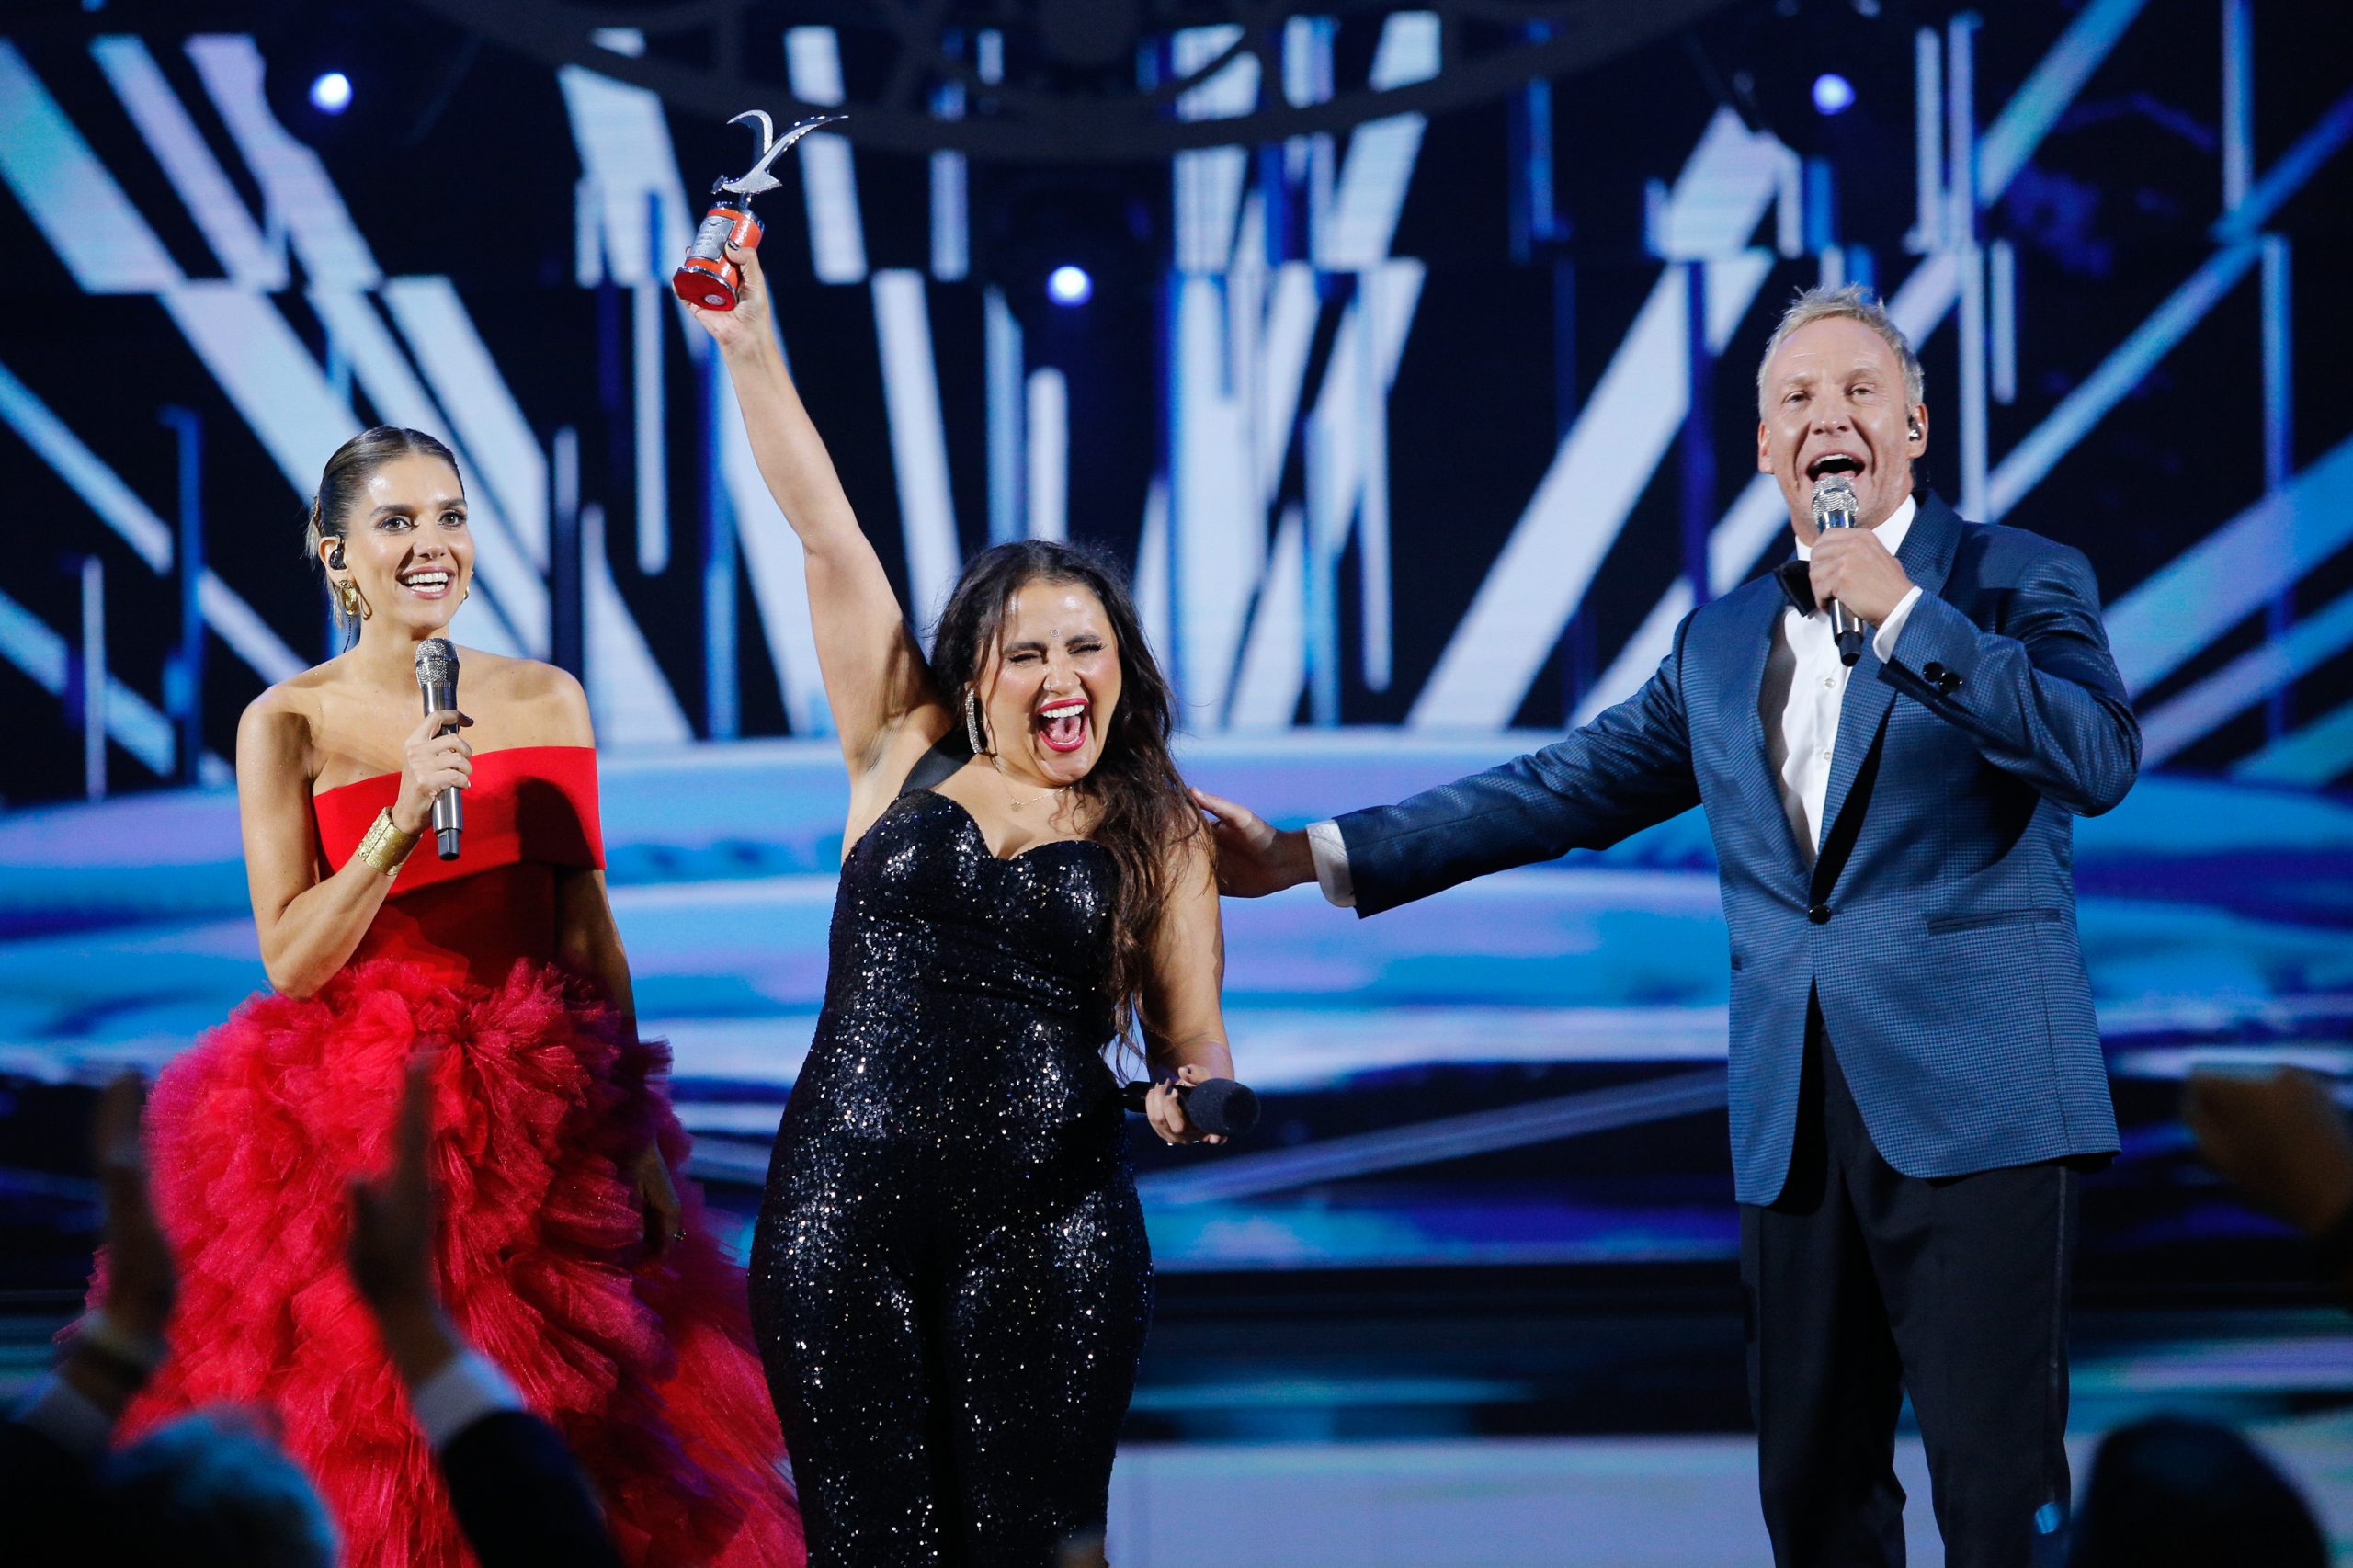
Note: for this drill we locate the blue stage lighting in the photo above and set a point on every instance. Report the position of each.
(1068, 285)
(331, 94)
(1832, 94)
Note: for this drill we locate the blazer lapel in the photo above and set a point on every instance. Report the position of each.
(1749, 643)
(1927, 558)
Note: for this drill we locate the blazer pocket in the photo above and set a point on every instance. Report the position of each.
(1939, 924)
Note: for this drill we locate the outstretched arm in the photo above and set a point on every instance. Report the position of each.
(1629, 768)
(876, 681)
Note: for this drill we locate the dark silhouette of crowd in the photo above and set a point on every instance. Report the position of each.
(212, 1489)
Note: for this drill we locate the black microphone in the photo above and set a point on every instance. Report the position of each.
(1218, 1106)
(436, 677)
(1834, 508)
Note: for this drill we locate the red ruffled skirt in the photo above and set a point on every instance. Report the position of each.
(646, 1367)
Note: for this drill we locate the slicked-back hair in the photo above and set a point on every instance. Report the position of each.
(1847, 301)
(344, 480)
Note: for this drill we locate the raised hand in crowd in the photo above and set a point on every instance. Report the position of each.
(2283, 1140)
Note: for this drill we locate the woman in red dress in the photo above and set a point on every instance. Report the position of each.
(565, 1254)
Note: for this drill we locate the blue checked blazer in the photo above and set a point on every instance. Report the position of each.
(1937, 927)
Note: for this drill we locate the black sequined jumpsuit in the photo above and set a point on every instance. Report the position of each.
(950, 1276)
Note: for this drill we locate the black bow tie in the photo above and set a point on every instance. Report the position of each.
(1797, 582)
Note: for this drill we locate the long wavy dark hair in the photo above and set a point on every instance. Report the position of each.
(1142, 808)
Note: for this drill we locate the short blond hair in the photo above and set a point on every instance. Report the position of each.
(1849, 302)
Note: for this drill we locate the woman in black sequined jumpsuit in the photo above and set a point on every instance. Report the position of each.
(950, 1276)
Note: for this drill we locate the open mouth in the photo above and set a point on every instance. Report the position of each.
(1062, 725)
(1829, 463)
(433, 584)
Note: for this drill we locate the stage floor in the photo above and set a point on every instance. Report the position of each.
(1541, 1503)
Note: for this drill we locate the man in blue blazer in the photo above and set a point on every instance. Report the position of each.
(1916, 1075)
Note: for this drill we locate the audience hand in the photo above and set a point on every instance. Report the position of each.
(120, 1346)
(2281, 1138)
(142, 1281)
(391, 1251)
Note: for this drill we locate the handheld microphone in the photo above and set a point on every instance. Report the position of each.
(436, 677)
(1834, 508)
(1218, 1106)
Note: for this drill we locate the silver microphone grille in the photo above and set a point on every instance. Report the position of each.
(1834, 503)
(436, 663)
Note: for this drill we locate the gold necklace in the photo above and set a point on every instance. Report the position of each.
(1019, 803)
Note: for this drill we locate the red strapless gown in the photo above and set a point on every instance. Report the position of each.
(646, 1367)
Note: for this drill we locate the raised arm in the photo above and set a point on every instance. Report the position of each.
(310, 916)
(1183, 1016)
(876, 681)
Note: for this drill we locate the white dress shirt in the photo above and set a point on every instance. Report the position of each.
(464, 1391)
(1804, 685)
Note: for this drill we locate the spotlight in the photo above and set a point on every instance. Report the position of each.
(366, 81)
(1068, 285)
(1832, 94)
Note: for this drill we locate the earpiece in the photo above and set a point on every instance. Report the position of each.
(1916, 429)
(335, 551)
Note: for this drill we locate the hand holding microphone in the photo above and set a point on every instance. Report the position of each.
(436, 762)
(1192, 1108)
(1851, 571)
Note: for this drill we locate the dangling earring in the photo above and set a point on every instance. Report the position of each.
(972, 730)
(355, 603)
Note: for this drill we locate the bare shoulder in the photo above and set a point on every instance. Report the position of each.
(1190, 856)
(539, 703)
(297, 703)
(280, 728)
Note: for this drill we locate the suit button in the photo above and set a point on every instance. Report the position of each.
(1948, 683)
(1933, 671)
(1819, 914)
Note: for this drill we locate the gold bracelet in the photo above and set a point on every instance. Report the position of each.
(386, 845)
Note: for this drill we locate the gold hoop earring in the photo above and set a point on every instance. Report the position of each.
(972, 729)
(355, 603)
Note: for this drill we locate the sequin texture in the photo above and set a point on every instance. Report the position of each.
(950, 1276)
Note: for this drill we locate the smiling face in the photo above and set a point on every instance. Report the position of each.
(1052, 683)
(405, 544)
(1833, 402)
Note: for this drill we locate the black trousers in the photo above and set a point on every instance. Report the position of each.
(1862, 1283)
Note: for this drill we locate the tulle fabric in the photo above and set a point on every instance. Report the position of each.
(646, 1367)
